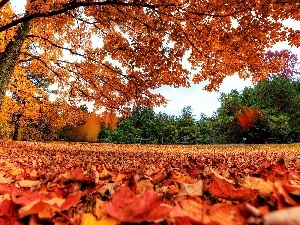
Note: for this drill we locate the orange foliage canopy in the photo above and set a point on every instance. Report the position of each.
(116, 52)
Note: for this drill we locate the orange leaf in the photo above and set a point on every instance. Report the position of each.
(128, 207)
(220, 188)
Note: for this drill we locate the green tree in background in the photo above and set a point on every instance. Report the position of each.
(226, 128)
(188, 131)
(168, 132)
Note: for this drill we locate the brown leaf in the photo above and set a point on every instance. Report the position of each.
(143, 186)
(191, 190)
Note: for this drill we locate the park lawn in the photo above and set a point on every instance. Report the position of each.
(91, 183)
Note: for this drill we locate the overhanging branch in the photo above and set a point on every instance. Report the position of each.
(3, 2)
(70, 6)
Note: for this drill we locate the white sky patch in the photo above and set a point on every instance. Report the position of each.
(97, 42)
(201, 101)
(290, 23)
(234, 23)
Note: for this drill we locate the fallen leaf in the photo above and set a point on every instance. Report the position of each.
(201, 213)
(288, 216)
(119, 177)
(283, 196)
(173, 189)
(143, 185)
(89, 219)
(99, 209)
(193, 210)
(177, 176)
(220, 188)
(40, 207)
(71, 200)
(105, 174)
(294, 175)
(107, 189)
(7, 189)
(128, 207)
(221, 177)
(293, 188)
(225, 214)
(29, 183)
(279, 169)
(46, 208)
(158, 177)
(191, 190)
(6, 208)
(16, 171)
(27, 197)
(78, 175)
(5, 180)
(265, 188)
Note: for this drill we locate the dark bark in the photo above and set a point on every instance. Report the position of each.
(63, 8)
(3, 2)
(9, 57)
(16, 122)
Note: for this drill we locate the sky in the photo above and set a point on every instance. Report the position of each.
(200, 100)
(203, 101)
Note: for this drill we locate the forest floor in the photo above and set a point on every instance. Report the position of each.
(106, 184)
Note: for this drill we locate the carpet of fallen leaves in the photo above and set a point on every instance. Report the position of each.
(105, 184)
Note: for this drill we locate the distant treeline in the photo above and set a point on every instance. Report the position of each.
(277, 99)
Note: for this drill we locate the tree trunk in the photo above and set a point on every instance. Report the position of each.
(16, 132)
(16, 122)
(9, 57)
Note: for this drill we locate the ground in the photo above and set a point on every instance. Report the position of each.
(89, 183)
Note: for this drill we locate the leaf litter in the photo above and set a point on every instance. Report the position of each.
(105, 184)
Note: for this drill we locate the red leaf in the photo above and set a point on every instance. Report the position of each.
(77, 175)
(6, 208)
(6, 189)
(27, 197)
(220, 188)
(7, 213)
(10, 221)
(279, 169)
(128, 207)
(71, 201)
(247, 117)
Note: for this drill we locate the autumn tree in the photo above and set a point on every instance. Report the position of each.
(291, 68)
(116, 52)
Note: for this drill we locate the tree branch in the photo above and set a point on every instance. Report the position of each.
(70, 6)
(3, 2)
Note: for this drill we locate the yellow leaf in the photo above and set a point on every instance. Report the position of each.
(89, 219)
(264, 187)
(29, 183)
(16, 171)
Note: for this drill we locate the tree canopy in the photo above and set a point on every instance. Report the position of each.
(115, 52)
